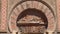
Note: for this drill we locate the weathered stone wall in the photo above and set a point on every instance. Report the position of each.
(12, 3)
(58, 15)
(3, 16)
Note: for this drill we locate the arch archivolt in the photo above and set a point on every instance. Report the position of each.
(31, 4)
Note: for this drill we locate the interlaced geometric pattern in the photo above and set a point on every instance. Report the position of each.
(3, 15)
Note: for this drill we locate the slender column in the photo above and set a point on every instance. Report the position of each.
(14, 32)
(50, 32)
(44, 32)
(19, 32)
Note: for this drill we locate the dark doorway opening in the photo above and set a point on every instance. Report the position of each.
(32, 21)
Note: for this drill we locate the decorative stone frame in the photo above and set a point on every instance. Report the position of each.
(37, 4)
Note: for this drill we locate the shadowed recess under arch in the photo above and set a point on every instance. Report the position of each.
(34, 12)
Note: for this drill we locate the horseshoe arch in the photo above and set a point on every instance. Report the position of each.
(23, 5)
